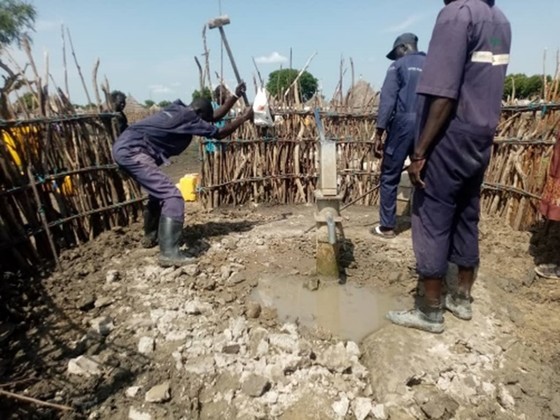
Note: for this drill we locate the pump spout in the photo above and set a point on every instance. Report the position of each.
(331, 228)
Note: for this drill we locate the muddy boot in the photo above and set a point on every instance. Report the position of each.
(459, 306)
(152, 212)
(428, 319)
(169, 240)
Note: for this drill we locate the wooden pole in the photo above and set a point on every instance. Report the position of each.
(42, 215)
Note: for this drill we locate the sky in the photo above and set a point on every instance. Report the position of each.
(147, 48)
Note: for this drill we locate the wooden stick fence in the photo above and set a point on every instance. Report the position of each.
(279, 165)
(59, 187)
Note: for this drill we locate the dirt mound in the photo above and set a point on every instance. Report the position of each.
(115, 336)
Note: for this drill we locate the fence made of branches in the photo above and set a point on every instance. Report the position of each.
(280, 165)
(59, 187)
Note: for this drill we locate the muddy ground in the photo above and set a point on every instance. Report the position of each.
(244, 334)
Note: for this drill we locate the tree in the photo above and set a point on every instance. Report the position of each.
(280, 80)
(163, 104)
(206, 93)
(148, 103)
(16, 18)
(526, 87)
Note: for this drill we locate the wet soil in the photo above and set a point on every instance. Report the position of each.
(239, 336)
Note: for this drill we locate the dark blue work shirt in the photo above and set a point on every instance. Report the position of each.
(169, 132)
(467, 61)
(398, 94)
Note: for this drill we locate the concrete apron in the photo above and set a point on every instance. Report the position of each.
(413, 372)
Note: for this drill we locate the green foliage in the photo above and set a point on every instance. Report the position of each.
(206, 93)
(28, 101)
(280, 80)
(148, 103)
(163, 104)
(526, 87)
(16, 18)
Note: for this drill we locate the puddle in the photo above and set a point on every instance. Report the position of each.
(347, 311)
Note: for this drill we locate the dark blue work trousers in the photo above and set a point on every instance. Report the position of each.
(445, 214)
(143, 167)
(398, 146)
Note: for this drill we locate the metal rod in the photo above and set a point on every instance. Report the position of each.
(231, 59)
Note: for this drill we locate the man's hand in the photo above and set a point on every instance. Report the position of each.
(248, 114)
(378, 144)
(240, 90)
(414, 171)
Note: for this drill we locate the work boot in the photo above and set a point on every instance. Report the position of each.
(428, 319)
(459, 306)
(169, 240)
(152, 213)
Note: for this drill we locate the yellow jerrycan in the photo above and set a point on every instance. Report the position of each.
(187, 186)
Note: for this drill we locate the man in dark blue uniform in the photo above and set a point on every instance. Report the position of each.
(397, 117)
(462, 86)
(149, 143)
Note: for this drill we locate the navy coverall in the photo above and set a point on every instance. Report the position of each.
(149, 143)
(397, 115)
(467, 61)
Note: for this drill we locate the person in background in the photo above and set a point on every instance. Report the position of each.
(461, 87)
(550, 209)
(397, 117)
(118, 103)
(149, 143)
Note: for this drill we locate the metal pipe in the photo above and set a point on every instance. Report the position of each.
(331, 228)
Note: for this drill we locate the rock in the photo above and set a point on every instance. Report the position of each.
(341, 406)
(312, 284)
(231, 349)
(362, 408)
(134, 414)
(103, 301)
(378, 411)
(202, 365)
(284, 342)
(352, 349)
(192, 307)
(236, 278)
(259, 241)
(516, 315)
(225, 272)
(255, 386)
(102, 325)
(112, 276)
(132, 391)
(84, 366)
(554, 405)
(237, 327)
(505, 399)
(86, 303)
(253, 310)
(271, 397)
(159, 393)
(226, 382)
(441, 407)
(191, 270)
(146, 345)
(336, 358)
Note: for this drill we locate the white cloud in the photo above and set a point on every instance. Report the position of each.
(160, 89)
(273, 58)
(405, 24)
(47, 25)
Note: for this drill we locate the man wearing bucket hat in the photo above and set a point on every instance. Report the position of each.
(397, 117)
(149, 143)
(461, 92)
